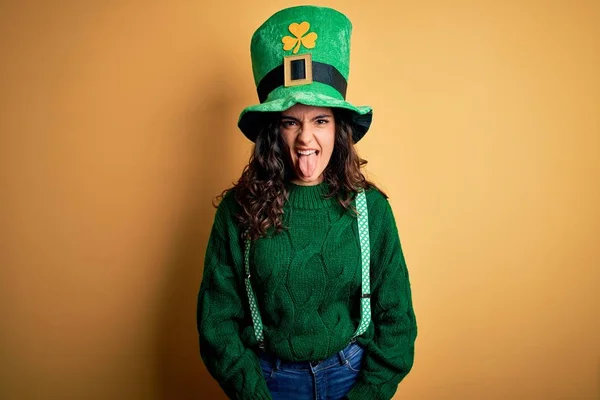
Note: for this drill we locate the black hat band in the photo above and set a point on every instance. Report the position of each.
(300, 69)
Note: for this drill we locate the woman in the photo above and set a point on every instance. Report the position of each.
(305, 292)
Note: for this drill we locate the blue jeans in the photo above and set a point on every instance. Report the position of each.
(330, 379)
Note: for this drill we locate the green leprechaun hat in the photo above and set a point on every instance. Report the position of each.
(302, 55)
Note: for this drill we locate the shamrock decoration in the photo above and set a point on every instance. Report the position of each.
(298, 30)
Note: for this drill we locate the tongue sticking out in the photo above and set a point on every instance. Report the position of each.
(308, 164)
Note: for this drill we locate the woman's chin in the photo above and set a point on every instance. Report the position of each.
(308, 180)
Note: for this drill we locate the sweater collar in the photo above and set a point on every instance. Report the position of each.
(309, 197)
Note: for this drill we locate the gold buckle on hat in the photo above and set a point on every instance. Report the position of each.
(287, 70)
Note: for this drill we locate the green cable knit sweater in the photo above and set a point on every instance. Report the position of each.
(307, 283)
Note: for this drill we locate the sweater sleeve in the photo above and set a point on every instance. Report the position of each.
(389, 342)
(221, 314)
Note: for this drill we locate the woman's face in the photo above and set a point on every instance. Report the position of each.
(310, 136)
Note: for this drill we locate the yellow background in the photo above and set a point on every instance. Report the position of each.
(118, 127)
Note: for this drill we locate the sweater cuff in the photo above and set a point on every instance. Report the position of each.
(245, 391)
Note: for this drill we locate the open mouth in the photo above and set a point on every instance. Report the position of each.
(307, 152)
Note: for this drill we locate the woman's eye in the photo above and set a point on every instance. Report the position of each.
(322, 121)
(288, 123)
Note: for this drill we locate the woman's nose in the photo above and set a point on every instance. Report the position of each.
(305, 135)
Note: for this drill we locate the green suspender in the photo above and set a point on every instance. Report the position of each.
(256, 320)
(365, 298)
(365, 253)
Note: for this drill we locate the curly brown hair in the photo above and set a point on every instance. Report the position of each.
(261, 190)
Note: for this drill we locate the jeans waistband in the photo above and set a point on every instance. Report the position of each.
(337, 359)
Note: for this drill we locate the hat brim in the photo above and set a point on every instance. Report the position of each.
(253, 118)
